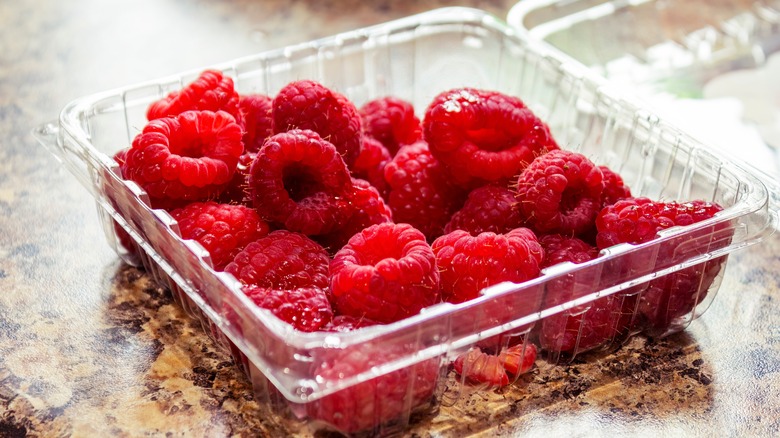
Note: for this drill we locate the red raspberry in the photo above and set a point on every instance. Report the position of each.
(307, 104)
(346, 323)
(469, 263)
(560, 192)
(370, 165)
(675, 295)
(305, 308)
(386, 272)
(559, 248)
(487, 208)
(484, 136)
(614, 187)
(638, 220)
(480, 367)
(420, 191)
(282, 260)
(391, 121)
(584, 327)
(367, 405)
(222, 229)
(211, 91)
(258, 120)
(298, 180)
(189, 157)
(368, 208)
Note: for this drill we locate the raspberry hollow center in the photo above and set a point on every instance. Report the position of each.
(300, 182)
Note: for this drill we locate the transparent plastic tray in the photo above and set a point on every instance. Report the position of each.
(711, 66)
(415, 58)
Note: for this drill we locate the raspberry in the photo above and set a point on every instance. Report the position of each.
(559, 248)
(368, 209)
(188, 157)
(480, 367)
(370, 165)
(420, 191)
(584, 327)
(299, 181)
(305, 308)
(588, 326)
(484, 136)
(346, 323)
(675, 295)
(469, 263)
(638, 220)
(211, 91)
(282, 260)
(487, 208)
(258, 120)
(560, 192)
(307, 104)
(386, 272)
(391, 121)
(369, 404)
(614, 188)
(222, 229)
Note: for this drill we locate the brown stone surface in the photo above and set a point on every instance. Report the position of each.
(91, 347)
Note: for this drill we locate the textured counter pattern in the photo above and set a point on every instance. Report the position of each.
(90, 347)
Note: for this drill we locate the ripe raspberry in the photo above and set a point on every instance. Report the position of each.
(487, 208)
(346, 323)
(282, 260)
(484, 136)
(420, 191)
(386, 272)
(368, 208)
(370, 165)
(391, 121)
(673, 296)
(307, 104)
(299, 181)
(211, 91)
(189, 157)
(638, 220)
(258, 120)
(588, 326)
(305, 308)
(560, 192)
(367, 405)
(469, 263)
(584, 327)
(222, 229)
(480, 367)
(614, 187)
(559, 248)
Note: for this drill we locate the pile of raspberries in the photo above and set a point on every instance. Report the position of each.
(336, 217)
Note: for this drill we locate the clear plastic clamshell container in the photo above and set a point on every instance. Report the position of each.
(415, 58)
(710, 66)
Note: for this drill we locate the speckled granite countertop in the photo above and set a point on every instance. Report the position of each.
(91, 347)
